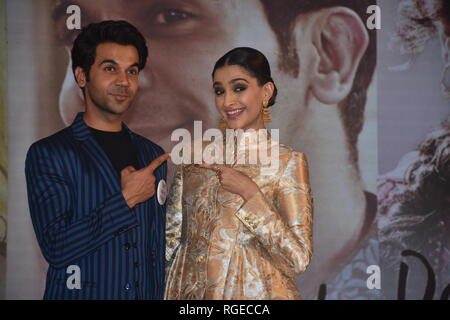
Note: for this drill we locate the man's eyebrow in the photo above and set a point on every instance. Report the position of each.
(108, 61)
(217, 83)
(136, 64)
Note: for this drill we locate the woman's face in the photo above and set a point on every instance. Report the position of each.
(239, 97)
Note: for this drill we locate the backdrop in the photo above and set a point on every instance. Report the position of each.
(375, 155)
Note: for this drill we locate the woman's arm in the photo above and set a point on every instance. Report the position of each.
(285, 227)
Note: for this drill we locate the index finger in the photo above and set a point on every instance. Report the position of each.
(214, 167)
(158, 161)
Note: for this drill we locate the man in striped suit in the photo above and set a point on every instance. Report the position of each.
(96, 190)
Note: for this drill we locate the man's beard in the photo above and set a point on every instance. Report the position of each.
(104, 107)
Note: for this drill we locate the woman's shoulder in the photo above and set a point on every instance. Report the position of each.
(289, 154)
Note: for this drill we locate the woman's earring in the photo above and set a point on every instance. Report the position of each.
(222, 124)
(266, 112)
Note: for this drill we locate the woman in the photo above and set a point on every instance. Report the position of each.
(233, 232)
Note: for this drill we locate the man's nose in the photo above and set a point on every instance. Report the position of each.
(122, 79)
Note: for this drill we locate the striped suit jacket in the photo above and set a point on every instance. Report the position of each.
(96, 246)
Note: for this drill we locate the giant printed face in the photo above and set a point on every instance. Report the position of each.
(184, 38)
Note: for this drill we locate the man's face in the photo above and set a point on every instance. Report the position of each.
(113, 78)
(185, 38)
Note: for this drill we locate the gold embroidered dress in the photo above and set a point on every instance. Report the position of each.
(218, 247)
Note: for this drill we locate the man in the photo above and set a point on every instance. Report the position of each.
(322, 59)
(91, 186)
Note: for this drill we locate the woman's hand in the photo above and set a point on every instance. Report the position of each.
(233, 180)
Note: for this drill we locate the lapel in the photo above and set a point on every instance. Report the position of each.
(95, 153)
(144, 156)
(137, 146)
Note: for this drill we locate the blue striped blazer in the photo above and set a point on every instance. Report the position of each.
(96, 246)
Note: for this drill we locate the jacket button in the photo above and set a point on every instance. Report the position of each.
(127, 287)
(136, 264)
(127, 246)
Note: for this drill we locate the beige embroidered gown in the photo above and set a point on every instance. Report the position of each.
(218, 247)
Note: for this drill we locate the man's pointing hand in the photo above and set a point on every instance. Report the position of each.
(139, 185)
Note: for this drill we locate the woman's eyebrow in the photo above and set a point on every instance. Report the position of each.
(237, 79)
(231, 81)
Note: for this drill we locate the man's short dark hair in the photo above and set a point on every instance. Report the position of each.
(121, 32)
(282, 15)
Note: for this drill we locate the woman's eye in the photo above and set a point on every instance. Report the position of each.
(218, 92)
(170, 16)
(239, 88)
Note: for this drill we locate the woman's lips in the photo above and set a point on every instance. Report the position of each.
(234, 114)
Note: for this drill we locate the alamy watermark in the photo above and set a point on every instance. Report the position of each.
(74, 278)
(231, 147)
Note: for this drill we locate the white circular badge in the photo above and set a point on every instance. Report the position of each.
(161, 192)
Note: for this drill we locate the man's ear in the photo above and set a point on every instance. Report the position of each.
(340, 39)
(80, 76)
